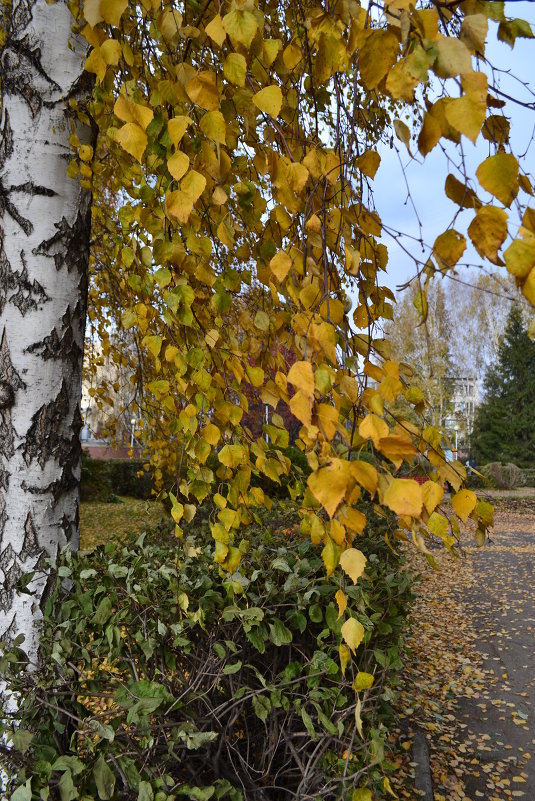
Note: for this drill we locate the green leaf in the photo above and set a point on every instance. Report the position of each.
(262, 707)
(145, 792)
(230, 669)
(23, 792)
(279, 634)
(103, 613)
(104, 779)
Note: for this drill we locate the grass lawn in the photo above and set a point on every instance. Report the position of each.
(99, 522)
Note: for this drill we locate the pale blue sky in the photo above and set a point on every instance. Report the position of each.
(426, 177)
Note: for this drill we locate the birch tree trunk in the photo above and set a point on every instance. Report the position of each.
(44, 242)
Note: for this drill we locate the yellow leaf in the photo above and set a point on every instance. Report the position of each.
(95, 64)
(202, 90)
(292, 55)
(337, 532)
(397, 448)
(92, 12)
(301, 407)
(213, 126)
(110, 51)
(178, 165)
(211, 434)
(177, 128)
(474, 32)
(232, 455)
(216, 31)
(154, 344)
(461, 194)
(241, 26)
(466, 114)
(329, 484)
(128, 111)
(179, 205)
(133, 139)
(363, 681)
(341, 600)
(374, 428)
(353, 519)
(297, 176)
(358, 717)
(448, 248)
(438, 525)
(301, 375)
(453, 57)
(113, 10)
(353, 633)
(464, 503)
(388, 787)
(432, 495)
(269, 100)
(330, 555)
(193, 185)
(520, 257)
(365, 474)
(404, 497)
(280, 265)
(353, 563)
(327, 419)
(362, 794)
(377, 56)
(169, 24)
(499, 175)
(310, 296)
(345, 657)
(488, 231)
(369, 163)
(235, 69)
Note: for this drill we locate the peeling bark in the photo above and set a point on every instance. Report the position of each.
(44, 244)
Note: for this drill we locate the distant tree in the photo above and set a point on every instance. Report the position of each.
(504, 428)
(421, 339)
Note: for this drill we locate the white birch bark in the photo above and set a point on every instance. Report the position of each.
(44, 240)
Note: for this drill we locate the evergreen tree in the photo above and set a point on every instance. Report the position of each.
(504, 428)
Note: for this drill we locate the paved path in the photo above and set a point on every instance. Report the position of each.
(498, 727)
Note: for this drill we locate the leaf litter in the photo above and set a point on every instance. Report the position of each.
(469, 678)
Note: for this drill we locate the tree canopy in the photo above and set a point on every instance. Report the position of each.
(504, 430)
(240, 144)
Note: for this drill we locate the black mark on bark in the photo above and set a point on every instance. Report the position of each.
(30, 546)
(10, 382)
(64, 345)
(68, 246)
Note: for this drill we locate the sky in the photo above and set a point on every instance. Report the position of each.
(426, 178)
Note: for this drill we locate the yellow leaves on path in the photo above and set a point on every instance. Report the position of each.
(353, 633)
(404, 496)
(464, 503)
(499, 175)
(269, 100)
(353, 563)
(488, 231)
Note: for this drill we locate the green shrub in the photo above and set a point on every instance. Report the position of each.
(503, 476)
(162, 678)
(104, 478)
